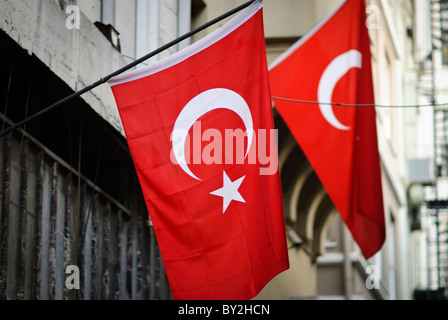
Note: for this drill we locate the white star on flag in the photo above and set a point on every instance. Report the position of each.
(229, 191)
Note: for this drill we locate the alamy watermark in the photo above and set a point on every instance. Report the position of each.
(373, 280)
(72, 280)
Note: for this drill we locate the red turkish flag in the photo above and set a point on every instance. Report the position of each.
(218, 216)
(332, 63)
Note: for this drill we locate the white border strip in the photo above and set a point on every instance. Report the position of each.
(305, 37)
(191, 50)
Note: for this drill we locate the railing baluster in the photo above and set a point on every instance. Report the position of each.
(4, 218)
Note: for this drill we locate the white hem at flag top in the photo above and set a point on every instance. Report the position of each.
(194, 48)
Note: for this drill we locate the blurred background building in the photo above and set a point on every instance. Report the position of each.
(68, 190)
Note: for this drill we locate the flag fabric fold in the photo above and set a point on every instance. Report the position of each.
(219, 223)
(332, 63)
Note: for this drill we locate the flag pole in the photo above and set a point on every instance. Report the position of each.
(126, 68)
